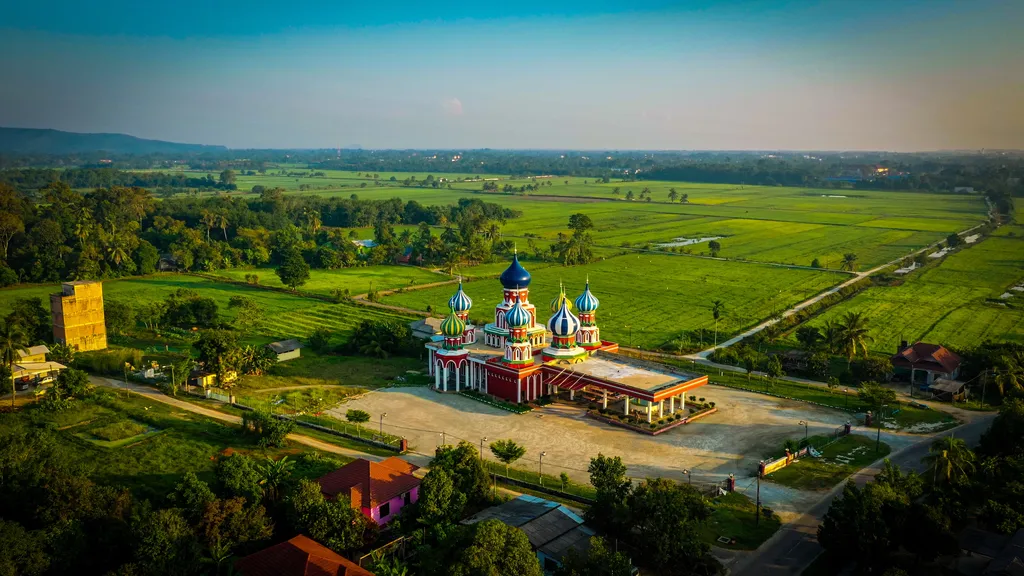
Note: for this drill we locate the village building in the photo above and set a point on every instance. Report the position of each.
(377, 489)
(426, 328)
(32, 368)
(519, 359)
(552, 529)
(300, 556)
(923, 363)
(285, 349)
(77, 313)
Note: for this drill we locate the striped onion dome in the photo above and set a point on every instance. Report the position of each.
(460, 302)
(564, 323)
(587, 302)
(517, 316)
(557, 302)
(452, 326)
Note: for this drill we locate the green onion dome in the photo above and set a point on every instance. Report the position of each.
(453, 326)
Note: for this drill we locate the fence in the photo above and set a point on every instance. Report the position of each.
(767, 467)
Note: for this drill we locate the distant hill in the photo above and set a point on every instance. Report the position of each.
(36, 141)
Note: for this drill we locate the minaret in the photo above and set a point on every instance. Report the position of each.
(564, 326)
(518, 351)
(588, 336)
(515, 282)
(460, 304)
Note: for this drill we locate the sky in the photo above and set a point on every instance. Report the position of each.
(646, 74)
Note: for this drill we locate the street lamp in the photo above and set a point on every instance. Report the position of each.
(878, 437)
(804, 422)
(540, 470)
(482, 440)
(846, 398)
(383, 414)
(689, 480)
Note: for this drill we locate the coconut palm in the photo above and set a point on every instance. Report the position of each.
(273, 474)
(849, 262)
(830, 335)
(717, 309)
(853, 335)
(1010, 371)
(209, 219)
(222, 223)
(12, 339)
(951, 459)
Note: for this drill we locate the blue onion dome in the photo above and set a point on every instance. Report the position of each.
(557, 302)
(587, 302)
(517, 316)
(460, 302)
(515, 276)
(564, 323)
(453, 326)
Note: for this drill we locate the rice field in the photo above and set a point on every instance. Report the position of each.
(356, 280)
(958, 302)
(648, 299)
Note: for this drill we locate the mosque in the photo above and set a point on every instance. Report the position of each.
(518, 359)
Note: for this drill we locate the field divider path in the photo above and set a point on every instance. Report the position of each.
(703, 354)
(158, 396)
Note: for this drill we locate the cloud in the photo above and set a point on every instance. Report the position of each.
(452, 106)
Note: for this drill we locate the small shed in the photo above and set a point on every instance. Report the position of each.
(947, 389)
(33, 353)
(285, 349)
(426, 328)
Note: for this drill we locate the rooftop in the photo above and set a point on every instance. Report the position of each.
(33, 351)
(369, 484)
(284, 346)
(551, 528)
(624, 373)
(923, 355)
(300, 556)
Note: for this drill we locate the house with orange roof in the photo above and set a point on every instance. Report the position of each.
(300, 556)
(934, 360)
(378, 489)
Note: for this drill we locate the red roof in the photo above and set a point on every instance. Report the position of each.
(928, 357)
(369, 484)
(300, 556)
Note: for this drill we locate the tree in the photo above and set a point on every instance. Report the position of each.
(864, 525)
(608, 477)
(12, 339)
(672, 195)
(809, 337)
(250, 314)
(849, 262)
(749, 365)
(1003, 438)
(439, 502)
(853, 335)
(273, 474)
(953, 240)
(23, 552)
(466, 468)
(192, 495)
(876, 396)
(666, 518)
(333, 523)
(293, 271)
(816, 263)
(497, 549)
(118, 316)
(166, 544)
(507, 451)
(239, 475)
(146, 257)
(714, 247)
(227, 524)
(872, 369)
(227, 176)
(357, 416)
(218, 351)
(580, 222)
(1009, 371)
(599, 560)
(10, 226)
(774, 368)
(951, 460)
(717, 309)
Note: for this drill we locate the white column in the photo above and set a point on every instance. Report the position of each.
(444, 376)
(671, 404)
(458, 371)
(625, 406)
(682, 402)
(483, 377)
(661, 409)
(650, 407)
(572, 394)
(430, 362)
(519, 392)
(604, 400)
(437, 378)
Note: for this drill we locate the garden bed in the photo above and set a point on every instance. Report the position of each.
(492, 401)
(655, 427)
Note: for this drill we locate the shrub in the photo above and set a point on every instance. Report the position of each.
(118, 430)
(110, 361)
(693, 398)
(270, 431)
(712, 404)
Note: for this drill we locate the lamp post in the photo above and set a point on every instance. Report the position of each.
(846, 398)
(804, 422)
(482, 440)
(126, 378)
(689, 480)
(540, 470)
(382, 415)
(878, 437)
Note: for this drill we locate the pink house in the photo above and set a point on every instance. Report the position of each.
(378, 489)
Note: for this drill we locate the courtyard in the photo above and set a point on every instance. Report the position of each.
(745, 429)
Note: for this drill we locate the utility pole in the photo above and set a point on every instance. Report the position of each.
(878, 437)
(482, 440)
(757, 510)
(984, 384)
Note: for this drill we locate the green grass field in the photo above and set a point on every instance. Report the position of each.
(355, 280)
(955, 303)
(734, 517)
(838, 460)
(652, 296)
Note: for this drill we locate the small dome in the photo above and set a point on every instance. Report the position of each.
(587, 302)
(460, 302)
(564, 323)
(557, 302)
(515, 276)
(517, 316)
(452, 326)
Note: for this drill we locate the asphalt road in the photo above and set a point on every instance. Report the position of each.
(795, 545)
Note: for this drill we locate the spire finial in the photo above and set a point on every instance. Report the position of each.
(515, 249)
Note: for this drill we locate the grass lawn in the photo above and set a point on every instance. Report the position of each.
(838, 460)
(153, 466)
(355, 280)
(312, 369)
(734, 518)
(648, 299)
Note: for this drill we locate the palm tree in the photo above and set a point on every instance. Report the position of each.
(849, 262)
(830, 333)
(951, 458)
(273, 474)
(672, 194)
(717, 308)
(12, 339)
(209, 219)
(853, 335)
(1010, 371)
(222, 223)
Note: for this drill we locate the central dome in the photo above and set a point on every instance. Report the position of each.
(564, 323)
(515, 276)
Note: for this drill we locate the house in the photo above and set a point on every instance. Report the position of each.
(406, 257)
(991, 554)
(933, 360)
(364, 245)
(426, 328)
(205, 378)
(285, 349)
(300, 556)
(552, 529)
(167, 263)
(35, 373)
(33, 354)
(378, 489)
(963, 190)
